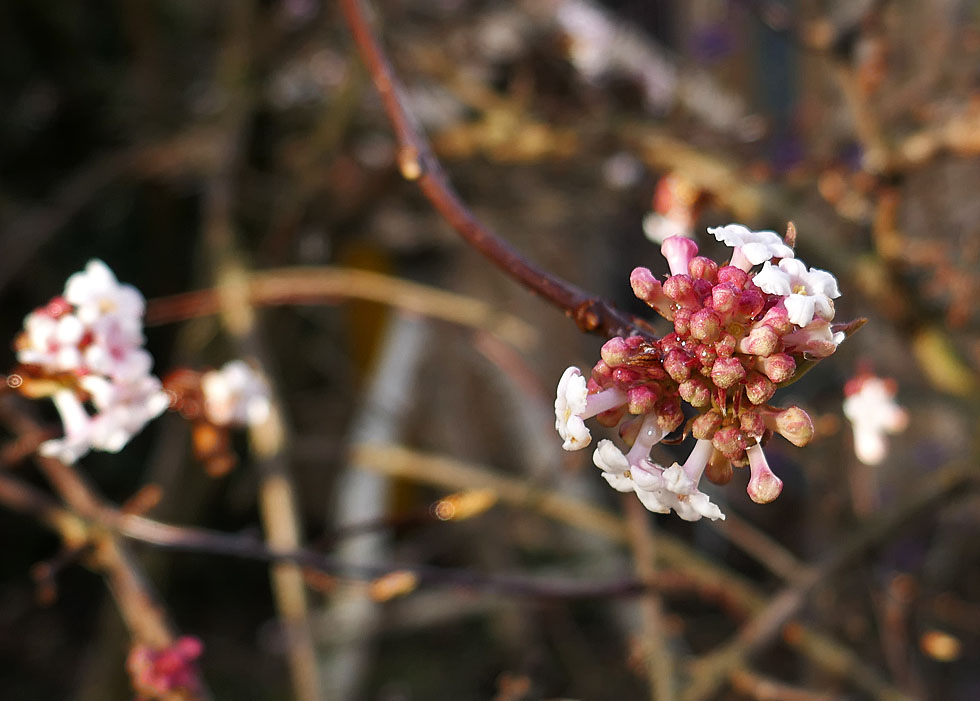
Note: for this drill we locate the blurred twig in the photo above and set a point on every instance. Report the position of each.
(324, 285)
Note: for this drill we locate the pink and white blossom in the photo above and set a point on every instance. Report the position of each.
(807, 293)
(236, 394)
(751, 247)
(871, 408)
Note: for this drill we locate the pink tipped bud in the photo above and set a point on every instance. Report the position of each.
(705, 325)
(678, 250)
(678, 365)
(682, 322)
(706, 356)
(750, 304)
(727, 372)
(695, 392)
(701, 268)
(764, 486)
(680, 289)
(626, 376)
(793, 424)
(778, 367)
(702, 288)
(703, 427)
(724, 298)
(730, 441)
(736, 276)
(648, 288)
(641, 399)
(669, 414)
(759, 388)
(602, 371)
(752, 424)
(725, 346)
(615, 351)
(762, 340)
(778, 318)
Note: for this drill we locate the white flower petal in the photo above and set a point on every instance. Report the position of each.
(773, 280)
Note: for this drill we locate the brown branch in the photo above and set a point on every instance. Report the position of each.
(418, 163)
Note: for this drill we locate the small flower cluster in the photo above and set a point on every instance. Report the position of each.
(738, 333)
(167, 673)
(215, 401)
(86, 346)
(870, 406)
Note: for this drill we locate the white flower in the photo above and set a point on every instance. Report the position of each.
(96, 332)
(807, 292)
(751, 247)
(659, 490)
(235, 394)
(96, 293)
(574, 404)
(873, 412)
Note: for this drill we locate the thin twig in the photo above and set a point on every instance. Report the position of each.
(418, 163)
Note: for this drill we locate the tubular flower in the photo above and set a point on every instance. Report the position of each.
(870, 406)
(738, 334)
(87, 346)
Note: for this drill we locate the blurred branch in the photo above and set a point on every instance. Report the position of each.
(326, 285)
(709, 673)
(418, 163)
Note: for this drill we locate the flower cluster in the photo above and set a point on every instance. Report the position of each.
(870, 406)
(167, 673)
(739, 332)
(86, 347)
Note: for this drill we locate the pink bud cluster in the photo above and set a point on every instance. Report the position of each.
(733, 343)
(167, 673)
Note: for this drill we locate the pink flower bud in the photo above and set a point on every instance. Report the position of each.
(778, 367)
(726, 345)
(615, 351)
(752, 424)
(793, 424)
(727, 372)
(762, 340)
(678, 365)
(695, 392)
(648, 288)
(682, 322)
(778, 318)
(625, 376)
(680, 289)
(724, 297)
(730, 441)
(764, 486)
(703, 427)
(641, 399)
(701, 268)
(759, 388)
(669, 414)
(736, 276)
(750, 304)
(679, 250)
(705, 325)
(702, 288)
(706, 355)
(601, 371)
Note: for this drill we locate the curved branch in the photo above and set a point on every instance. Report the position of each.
(417, 162)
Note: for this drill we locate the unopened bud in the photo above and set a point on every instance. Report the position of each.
(615, 351)
(678, 365)
(725, 346)
(730, 441)
(682, 322)
(703, 427)
(669, 414)
(793, 424)
(763, 486)
(648, 288)
(778, 367)
(678, 250)
(719, 469)
(750, 304)
(752, 424)
(702, 268)
(762, 340)
(680, 289)
(695, 392)
(733, 275)
(705, 325)
(641, 399)
(727, 372)
(759, 388)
